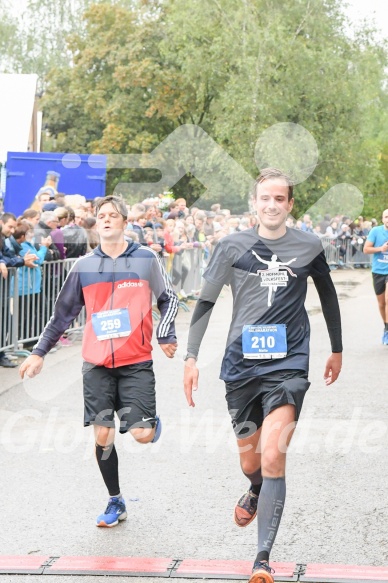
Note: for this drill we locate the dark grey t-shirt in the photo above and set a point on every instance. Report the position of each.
(268, 279)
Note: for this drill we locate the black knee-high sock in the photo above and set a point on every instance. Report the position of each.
(269, 511)
(256, 480)
(108, 463)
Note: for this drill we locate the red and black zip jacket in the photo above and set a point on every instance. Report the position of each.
(101, 283)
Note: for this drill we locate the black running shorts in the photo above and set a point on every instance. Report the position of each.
(251, 400)
(128, 390)
(379, 283)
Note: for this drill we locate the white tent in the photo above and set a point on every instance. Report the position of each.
(17, 96)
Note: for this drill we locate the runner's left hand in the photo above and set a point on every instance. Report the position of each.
(333, 368)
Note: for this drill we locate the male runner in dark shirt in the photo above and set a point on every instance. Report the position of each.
(266, 360)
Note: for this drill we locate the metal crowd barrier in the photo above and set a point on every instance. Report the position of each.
(23, 317)
(186, 270)
(24, 314)
(342, 253)
(6, 320)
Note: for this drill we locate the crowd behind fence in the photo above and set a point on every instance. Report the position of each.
(24, 314)
(346, 254)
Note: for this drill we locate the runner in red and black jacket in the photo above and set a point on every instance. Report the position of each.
(101, 283)
(116, 284)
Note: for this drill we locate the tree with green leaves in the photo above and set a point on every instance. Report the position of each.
(140, 70)
(35, 40)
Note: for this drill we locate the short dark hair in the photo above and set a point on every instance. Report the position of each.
(269, 174)
(116, 201)
(5, 217)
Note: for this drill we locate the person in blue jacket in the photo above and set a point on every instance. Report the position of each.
(29, 281)
(9, 258)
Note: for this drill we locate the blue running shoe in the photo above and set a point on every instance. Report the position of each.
(114, 513)
(158, 429)
(385, 337)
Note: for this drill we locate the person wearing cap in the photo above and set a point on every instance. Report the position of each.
(377, 244)
(49, 206)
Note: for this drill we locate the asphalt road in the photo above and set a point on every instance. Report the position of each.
(181, 491)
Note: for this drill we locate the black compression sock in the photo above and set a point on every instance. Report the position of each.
(108, 463)
(256, 480)
(386, 326)
(255, 488)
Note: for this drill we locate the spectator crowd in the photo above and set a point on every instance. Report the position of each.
(58, 227)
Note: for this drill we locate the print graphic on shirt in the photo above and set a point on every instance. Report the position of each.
(273, 277)
(384, 258)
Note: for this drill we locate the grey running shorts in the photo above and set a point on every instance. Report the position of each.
(129, 390)
(251, 400)
(379, 283)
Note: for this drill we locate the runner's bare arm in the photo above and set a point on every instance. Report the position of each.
(369, 248)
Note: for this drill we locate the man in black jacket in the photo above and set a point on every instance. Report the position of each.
(76, 238)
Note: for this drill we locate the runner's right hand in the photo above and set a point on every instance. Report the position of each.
(190, 380)
(31, 366)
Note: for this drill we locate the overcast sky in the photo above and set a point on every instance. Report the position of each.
(357, 11)
(371, 9)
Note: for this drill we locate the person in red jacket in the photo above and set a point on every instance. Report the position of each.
(115, 283)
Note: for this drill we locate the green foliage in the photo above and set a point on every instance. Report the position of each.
(132, 71)
(36, 39)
